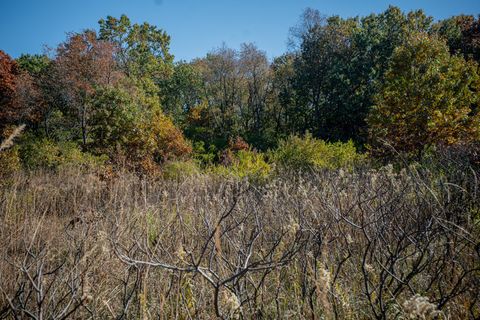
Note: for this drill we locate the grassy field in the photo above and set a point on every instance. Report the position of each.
(357, 244)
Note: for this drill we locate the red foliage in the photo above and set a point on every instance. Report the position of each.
(234, 145)
(8, 73)
(83, 63)
(238, 144)
(19, 96)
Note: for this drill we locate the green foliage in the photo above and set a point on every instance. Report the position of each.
(461, 33)
(245, 164)
(59, 127)
(127, 123)
(181, 92)
(114, 119)
(205, 155)
(199, 126)
(284, 112)
(306, 153)
(143, 48)
(34, 64)
(154, 140)
(119, 93)
(235, 97)
(428, 97)
(323, 78)
(83, 63)
(338, 67)
(38, 153)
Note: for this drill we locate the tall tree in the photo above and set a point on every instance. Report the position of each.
(19, 96)
(223, 91)
(8, 73)
(255, 68)
(143, 48)
(182, 92)
(82, 64)
(283, 114)
(428, 97)
(322, 78)
(340, 64)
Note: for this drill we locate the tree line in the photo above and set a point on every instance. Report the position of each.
(390, 83)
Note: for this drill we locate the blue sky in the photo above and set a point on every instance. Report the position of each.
(196, 26)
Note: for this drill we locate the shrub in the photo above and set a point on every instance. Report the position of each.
(71, 155)
(309, 153)
(44, 153)
(157, 141)
(128, 124)
(245, 164)
(205, 155)
(169, 140)
(238, 144)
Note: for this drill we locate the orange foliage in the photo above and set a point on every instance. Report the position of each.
(234, 145)
(170, 142)
(238, 144)
(157, 141)
(83, 62)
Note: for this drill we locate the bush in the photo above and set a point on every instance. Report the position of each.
(205, 155)
(309, 153)
(47, 154)
(71, 155)
(158, 141)
(245, 164)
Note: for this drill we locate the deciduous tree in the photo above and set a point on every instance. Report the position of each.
(82, 63)
(143, 48)
(19, 96)
(428, 97)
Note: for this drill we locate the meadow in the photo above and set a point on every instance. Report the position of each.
(359, 243)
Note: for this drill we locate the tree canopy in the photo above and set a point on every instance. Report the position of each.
(391, 80)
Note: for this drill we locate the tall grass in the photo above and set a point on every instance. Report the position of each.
(347, 245)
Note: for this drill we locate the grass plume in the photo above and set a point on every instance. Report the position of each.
(9, 141)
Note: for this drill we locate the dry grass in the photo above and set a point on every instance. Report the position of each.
(367, 244)
(8, 142)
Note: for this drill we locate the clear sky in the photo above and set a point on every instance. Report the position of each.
(196, 26)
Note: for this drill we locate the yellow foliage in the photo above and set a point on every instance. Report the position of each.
(169, 140)
(310, 153)
(157, 141)
(245, 164)
(9, 161)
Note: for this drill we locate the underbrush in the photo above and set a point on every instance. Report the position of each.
(346, 244)
(306, 153)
